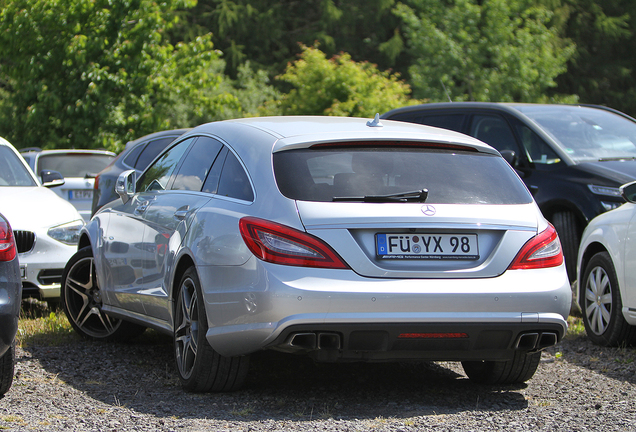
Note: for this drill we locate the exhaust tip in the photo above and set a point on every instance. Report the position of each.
(303, 340)
(527, 341)
(547, 339)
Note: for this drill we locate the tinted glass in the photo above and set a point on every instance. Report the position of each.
(234, 182)
(74, 164)
(537, 150)
(159, 174)
(585, 133)
(12, 169)
(151, 151)
(131, 159)
(211, 184)
(450, 176)
(197, 164)
(495, 131)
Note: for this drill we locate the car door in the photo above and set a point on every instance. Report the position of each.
(126, 248)
(167, 220)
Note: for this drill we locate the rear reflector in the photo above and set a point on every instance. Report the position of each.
(432, 335)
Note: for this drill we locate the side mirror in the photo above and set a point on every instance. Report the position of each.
(125, 185)
(51, 178)
(628, 191)
(510, 156)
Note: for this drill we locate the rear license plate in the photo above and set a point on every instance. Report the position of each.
(86, 194)
(427, 246)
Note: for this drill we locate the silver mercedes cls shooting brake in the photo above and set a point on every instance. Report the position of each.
(345, 239)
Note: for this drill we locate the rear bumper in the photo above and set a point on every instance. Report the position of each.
(280, 310)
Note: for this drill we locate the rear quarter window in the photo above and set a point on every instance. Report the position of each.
(450, 176)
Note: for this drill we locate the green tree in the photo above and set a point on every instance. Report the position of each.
(340, 86)
(602, 70)
(96, 73)
(490, 50)
(269, 33)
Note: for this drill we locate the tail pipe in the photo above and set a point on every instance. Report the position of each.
(536, 341)
(315, 341)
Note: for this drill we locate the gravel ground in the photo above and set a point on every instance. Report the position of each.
(90, 386)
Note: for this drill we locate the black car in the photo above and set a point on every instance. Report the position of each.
(10, 298)
(137, 155)
(573, 158)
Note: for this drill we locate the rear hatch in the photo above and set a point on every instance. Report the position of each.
(410, 210)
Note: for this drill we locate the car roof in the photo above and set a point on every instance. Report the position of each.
(501, 106)
(289, 132)
(174, 132)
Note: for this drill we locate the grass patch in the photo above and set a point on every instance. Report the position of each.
(42, 326)
(576, 327)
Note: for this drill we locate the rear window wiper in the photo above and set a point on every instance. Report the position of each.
(412, 196)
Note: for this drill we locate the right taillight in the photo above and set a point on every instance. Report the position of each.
(7, 243)
(541, 251)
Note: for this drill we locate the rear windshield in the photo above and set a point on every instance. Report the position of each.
(74, 165)
(451, 177)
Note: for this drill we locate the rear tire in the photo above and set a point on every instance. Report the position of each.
(82, 302)
(602, 305)
(7, 362)
(567, 227)
(518, 370)
(200, 367)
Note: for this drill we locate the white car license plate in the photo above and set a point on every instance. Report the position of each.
(427, 246)
(85, 194)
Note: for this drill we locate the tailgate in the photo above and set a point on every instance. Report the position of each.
(414, 240)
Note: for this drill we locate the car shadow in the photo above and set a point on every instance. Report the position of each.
(140, 375)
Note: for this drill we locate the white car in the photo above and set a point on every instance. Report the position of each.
(607, 274)
(45, 226)
(78, 167)
(345, 239)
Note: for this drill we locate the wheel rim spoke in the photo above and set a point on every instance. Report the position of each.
(186, 331)
(598, 300)
(83, 301)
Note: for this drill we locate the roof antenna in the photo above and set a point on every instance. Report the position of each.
(375, 122)
(445, 91)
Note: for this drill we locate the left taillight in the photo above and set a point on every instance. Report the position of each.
(280, 244)
(541, 251)
(8, 249)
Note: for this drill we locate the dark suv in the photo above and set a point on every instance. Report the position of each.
(573, 158)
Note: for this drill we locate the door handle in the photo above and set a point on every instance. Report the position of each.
(181, 213)
(142, 207)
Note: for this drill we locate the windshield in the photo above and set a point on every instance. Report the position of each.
(585, 133)
(12, 169)
(74, 165)
(398, 174)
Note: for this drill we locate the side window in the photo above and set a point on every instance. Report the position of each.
(158, 175)
(211, 184)
(234, 182)
(454, 122)
(131, 159)
(150, 152)
(536, 148)
(495, 131)
(197, 164)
